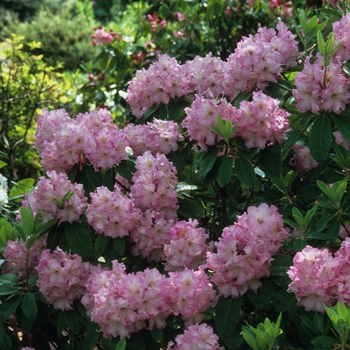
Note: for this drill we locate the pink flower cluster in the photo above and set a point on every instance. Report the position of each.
(244, 251)
(15, 254)
(111, 213)
(164, 79)
(102, 37)
(339, 140)
(321, 88)
(261, 122)
(201, 337)
(302, 158)
(57, 198)
(187, 246)
(258, 60)
(313, 278)
(123, 303)
(62, 277)
(156, 22)
(156, 136)
(203, 113)
(63, 142)
(154, 192)
(205, 73)
(191, 294)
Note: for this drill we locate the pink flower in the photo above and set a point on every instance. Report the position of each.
(243, 252)
(187, 246)
(313, 276)
(112, 213)
(196, 337)
(180, 16)
(302, 159)
(101, 37)
(124, 303)
(62, 277)
(57, 198)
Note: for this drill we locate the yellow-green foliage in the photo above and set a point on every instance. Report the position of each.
(65, 35)
(27, 84)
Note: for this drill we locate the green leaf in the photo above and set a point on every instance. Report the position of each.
(207, 162)
(225, 171)
(27, 220)
(320, 43)
(284, 301)
(281, 264)
(227, 315)
(79, 240)
(157, 335)
(72, 321)
(261, 299)
(342, 123)
(119, 246)
(92, 335)
(100, 245)
(293, 137)
(8, 307)
(324, 342)
(270, 161)
(178, 159)
(327, 190)
(121, 344)
(346, 68)
(320, 138)
(29, 306)
(126, 169)
(164, 11)
(188, 208)
(245, 172)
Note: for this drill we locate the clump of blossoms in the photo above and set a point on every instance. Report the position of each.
(342, 271)
(154, 192)
(163, 80)
(202, 114)
(261, 122)
(320, 87)
(244, 251)
(196, 337)
(259, 59)
(102, 37)
(64, 142)
(57, 198)
(191, 294)
(123, 303)
(313, 278)
(302, 158)
(205, 73)
(15, 254)
(341, 30)
(187, 246)
(112, 213)
(62, 277)
(339, 140)
(158, 136)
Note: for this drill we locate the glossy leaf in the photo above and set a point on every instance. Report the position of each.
(190, 209)
(245, 172)
(79, 240)
(320, 138)
(227, 315)
(29, 306)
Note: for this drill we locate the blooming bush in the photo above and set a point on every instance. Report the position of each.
(225, 204)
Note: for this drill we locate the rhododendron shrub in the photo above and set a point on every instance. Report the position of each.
(223, 203)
